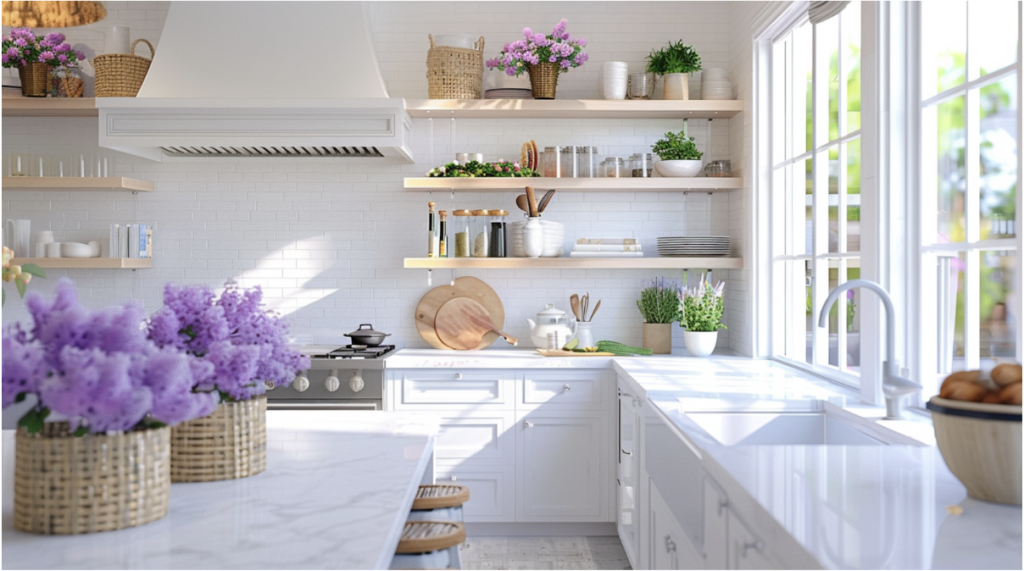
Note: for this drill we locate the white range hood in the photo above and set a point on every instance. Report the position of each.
(259, 79)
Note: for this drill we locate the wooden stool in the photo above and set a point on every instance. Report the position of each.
(429, 545)
(439, 503)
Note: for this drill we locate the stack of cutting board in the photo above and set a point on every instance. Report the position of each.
(465, 315)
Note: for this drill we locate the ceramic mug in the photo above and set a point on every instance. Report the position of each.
(45, 237)
(53, 250)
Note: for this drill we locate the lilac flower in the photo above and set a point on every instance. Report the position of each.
(527, 32)
(565, 64)
(23, 368)
(63, 48)
(4, 58)
(21, 42)
(46, 56)
(54, 38)
(12, 52)
(79, 55)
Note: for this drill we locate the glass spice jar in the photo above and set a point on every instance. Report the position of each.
(479, 234)
(498, 237)
(460, 224)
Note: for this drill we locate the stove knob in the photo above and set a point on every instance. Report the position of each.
(300, 384)
(332, 383)
(356, 382)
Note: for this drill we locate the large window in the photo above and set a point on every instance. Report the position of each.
(970, 177)
(815, 202)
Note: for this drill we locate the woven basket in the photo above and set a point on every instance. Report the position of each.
(34, 78)
(455, 73)
(544, 79)
(230, 443)
(98, 482)
(121, 75)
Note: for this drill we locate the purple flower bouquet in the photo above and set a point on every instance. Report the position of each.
(555, 48)
(23, 47)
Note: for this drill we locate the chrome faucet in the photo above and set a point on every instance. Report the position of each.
(894, 387)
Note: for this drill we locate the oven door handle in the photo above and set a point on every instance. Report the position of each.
(364, 405)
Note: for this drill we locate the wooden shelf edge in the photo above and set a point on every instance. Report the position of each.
(87, 263)
(49, 107)
(14, 183)
(574, 108)
(596, 184)
(649, 263)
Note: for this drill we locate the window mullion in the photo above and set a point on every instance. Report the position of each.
(819, 168)
(972, 219)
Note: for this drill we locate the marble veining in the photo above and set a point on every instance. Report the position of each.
(336, 492)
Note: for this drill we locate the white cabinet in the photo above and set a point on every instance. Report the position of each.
(491, 491)
(413, 389)
(562, 466)
(746, 551)
(477, 437)
(716, 525)
(667, 543)
(565, 389)
(628, 476)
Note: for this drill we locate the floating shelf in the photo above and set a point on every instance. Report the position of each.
(571, 109)
(76, 183)
(651, 263)
(87, 263)
(49, 107)
(500, 184)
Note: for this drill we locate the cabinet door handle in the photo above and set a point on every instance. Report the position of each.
(626, 453)
(527, 424)
(566, 387)
(458, 375)
(454, 478)
(670, 545)
(756, 546)
(722, 504)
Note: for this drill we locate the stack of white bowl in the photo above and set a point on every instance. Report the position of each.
(554, 239)
(715, 84)
(614, 75)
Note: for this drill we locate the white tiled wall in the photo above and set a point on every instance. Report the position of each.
(326, 239)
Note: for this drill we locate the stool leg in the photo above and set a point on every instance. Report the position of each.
(456, 557)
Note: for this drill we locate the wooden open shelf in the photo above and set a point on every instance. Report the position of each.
(501, 184)
(49, 107)
(76, 183)
(651, 263)
(572, 109)
(87, 263)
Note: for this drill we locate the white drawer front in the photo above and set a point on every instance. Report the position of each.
(491, 492)
(440, 390)
(570, 389)
(477, 436)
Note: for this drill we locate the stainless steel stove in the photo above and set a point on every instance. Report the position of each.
(347, 377)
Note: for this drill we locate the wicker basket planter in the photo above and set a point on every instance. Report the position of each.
(544, 79)
(33, 77)
(230, 443)
(455, 73)
(121, 75)
(98, 482)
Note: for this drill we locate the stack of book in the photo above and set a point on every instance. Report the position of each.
(131, 241)
(607, 248)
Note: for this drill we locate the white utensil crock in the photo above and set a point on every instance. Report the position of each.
(533, 238)
(18, 235)
(584, 337)
(700, 343)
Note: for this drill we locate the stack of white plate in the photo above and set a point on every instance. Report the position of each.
(554, 239)
(613, 79)
(715, 84)
(694, 246)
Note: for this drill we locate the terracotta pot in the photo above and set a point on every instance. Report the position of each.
(544, 79)
(658, 337)
(33, 79)
(700, 343)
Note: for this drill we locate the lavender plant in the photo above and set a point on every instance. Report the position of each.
(23, 47)
(556, 47)
(659, 301)
(702, 306)
(97, 368)
(245, 344)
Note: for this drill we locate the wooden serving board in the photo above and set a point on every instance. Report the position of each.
(462, 323)
(562, 353)
(473, 288)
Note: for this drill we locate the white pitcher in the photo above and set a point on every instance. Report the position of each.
(17, 238)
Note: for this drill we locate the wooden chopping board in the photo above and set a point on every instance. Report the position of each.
(473, 288)
(462, 323)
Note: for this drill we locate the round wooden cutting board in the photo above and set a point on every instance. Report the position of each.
(462, 323)
(470, 287)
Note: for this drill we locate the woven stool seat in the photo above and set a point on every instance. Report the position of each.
(440, 496)
(426, 536)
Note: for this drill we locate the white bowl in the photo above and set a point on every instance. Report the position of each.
(75, 250)
(678, 168)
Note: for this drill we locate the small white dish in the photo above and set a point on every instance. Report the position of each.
(75, 250)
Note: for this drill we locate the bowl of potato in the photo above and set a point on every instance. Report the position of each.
(977, 421)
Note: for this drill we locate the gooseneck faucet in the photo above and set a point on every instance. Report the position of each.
(894, 387)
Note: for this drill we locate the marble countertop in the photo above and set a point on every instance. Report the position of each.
(335, 495)
(524, 358)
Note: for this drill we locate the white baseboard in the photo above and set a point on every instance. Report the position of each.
(540, 529)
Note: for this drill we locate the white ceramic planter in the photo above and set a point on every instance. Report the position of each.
(677, 169)
(533, 238)
(700, 343)
(677, 86)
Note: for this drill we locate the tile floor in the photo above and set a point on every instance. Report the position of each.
(493, 553)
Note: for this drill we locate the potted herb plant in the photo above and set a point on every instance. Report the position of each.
(34, 55)
(701, 310)
(679, 156)
(659, 306)
(674, 62)
(544, 57)
(246, 348)
(104, 463)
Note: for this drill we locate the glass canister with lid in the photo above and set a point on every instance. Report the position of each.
(641, 165)
(498, 238)
(613, 167)
(586, 162)
(479, 233)
(461, 227)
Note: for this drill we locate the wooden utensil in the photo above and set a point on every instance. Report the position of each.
(593, 313)
(523, 203)
(545, 200)
(469, 287)
(531, 198)
(585, 300)
(461, 323)
(574, 302)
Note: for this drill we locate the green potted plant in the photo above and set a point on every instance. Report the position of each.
(659, 305)
(701, 310)
(674, 62)
(679, 156)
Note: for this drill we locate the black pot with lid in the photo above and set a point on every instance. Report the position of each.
(367, 335)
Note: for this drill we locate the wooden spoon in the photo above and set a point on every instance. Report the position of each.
(523, 203)
(574, 302)
(462, 322)
(531, 198)
(545, 200)
(593, 313)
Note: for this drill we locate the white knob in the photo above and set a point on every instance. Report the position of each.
(566, 387)
(356, 382)
(301, 384)
(458, 375)
(527, 424)
(269, 384)
(332, 383)
(454, 478)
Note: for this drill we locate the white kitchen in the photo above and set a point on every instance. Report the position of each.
(496, 285)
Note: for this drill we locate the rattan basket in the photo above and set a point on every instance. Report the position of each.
(98, 482)
(455, 73)
(230, 443)
(121, 75)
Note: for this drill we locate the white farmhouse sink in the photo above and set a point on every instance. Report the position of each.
(735, 428)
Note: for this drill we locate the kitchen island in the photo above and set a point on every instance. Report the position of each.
(335, 495)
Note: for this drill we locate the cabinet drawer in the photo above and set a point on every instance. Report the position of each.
(491, 491)
(570, 389)
(433, 390)
(477, 437)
